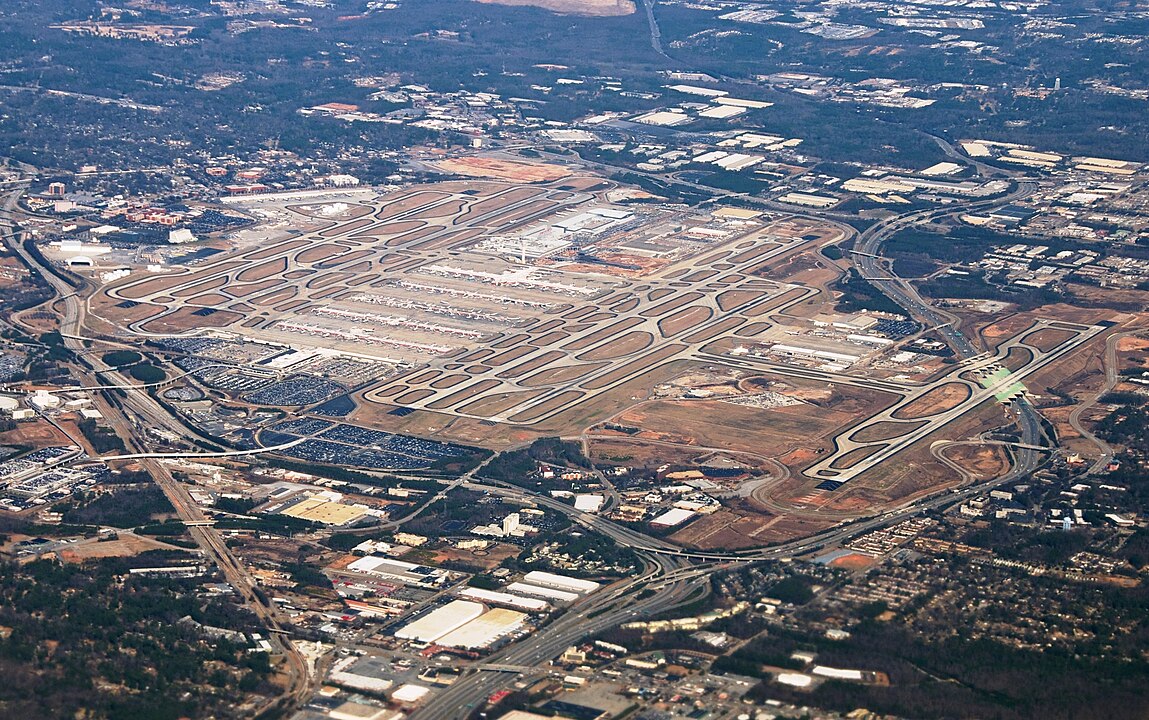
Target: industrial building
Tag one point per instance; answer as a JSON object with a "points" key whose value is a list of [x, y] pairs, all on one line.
{"points": [[543, 592], [673, 517], [404, 572], [441, 621], [814, 354], [321, 510], [491, 597], [484, 630], [561, 582]]}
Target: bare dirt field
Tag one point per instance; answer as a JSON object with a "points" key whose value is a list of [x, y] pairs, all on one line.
{"points": [[771, 432], [624, 450], [1004, 329], [126, 545], [939, 399], [983, 461], [503, 169], [1048, 339], [1132, 344], [734, 530], [1132, 300], [37, 433], [852, 562], [488, 559], [185, 318]]}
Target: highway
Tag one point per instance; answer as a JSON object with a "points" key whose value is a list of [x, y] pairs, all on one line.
{"points": [[869, 262], [601, 611], [655, 32], [671, 575], [677, 581], [300, 683]]}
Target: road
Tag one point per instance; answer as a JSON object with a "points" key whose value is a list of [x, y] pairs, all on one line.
{"points": [[667, 582], [1111, 380], [300, 684], [871, 264], [678, 581], [605, 609]]}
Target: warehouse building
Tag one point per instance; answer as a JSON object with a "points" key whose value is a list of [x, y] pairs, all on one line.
{"points": [[404, 572], [441, 621], [543, 592], [484, 630], [491, 597], [561, 582]]}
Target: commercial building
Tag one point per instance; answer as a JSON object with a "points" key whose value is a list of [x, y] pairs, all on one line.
{"points": [[409, 694], [589, 503], [837, 673], [814, 354], [561, 582], [44, 400], [404, 572], [543, 592], [672, 517], [441, 621], [484, 630], [491, 597], [317, 509], [809, 200]]}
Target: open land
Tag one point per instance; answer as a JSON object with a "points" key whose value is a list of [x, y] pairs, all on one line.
{"points": [[482, 296]]}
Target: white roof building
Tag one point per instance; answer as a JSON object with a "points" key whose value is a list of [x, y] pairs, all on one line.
{"points": [[492, 597], [672, 517], [484, 630], [441, 621], [561, 582], [543, 592]]}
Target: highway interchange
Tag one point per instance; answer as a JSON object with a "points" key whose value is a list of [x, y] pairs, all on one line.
{"points": [[671, 576]]}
